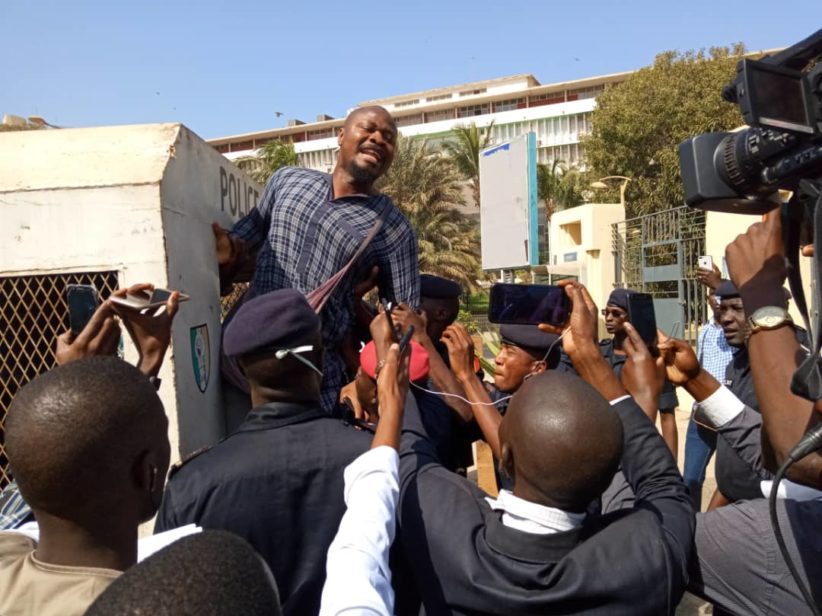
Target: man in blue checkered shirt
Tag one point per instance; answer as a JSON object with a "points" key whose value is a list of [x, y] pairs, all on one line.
{"points": [[308, 224]]}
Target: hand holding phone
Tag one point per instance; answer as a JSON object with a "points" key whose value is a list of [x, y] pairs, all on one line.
{"points": [[149, 330], [83, 300], [100, 336], [642, 316], [705, 262], [143, 297]]}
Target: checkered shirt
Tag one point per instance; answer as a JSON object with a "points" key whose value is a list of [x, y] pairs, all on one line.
{"points": [[713, 351], [14, 511], [305, 236]]}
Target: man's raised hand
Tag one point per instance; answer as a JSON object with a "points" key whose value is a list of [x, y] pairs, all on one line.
{"points": [[149, 330], [643, 375], [100, 336], [460, 350]]}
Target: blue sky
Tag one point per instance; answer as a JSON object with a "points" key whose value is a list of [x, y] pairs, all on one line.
{"points": [[225, 67]]}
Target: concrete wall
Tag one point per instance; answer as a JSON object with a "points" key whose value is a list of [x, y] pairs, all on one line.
{"points": [[721, 229], [138, 200]]}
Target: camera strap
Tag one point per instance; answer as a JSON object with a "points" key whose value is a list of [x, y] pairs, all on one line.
{"points": [[807, 379]]}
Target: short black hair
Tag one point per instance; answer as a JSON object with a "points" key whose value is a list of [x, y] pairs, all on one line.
{"points": [[73, 434], [213, 572]]}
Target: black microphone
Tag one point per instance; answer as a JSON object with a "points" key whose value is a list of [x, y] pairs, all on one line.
{"points": [[812, 441]]}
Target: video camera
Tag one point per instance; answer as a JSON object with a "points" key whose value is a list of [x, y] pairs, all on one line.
{"points": [[780, 97]]}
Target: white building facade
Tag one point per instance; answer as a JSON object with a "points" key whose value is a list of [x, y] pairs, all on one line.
{"points": [[559, 114]]}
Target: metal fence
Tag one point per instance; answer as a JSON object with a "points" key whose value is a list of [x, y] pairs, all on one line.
{"points": [[657, 254], [33, 311]]}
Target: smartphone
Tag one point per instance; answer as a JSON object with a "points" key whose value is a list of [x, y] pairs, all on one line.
{"points": [[642, 316], [528, 304], [706, 262], [145, 299], [388, 306], [406, 339], [83, 300]]}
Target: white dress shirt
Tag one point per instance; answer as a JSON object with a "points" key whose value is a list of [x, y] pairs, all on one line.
{"points": [[721, 407], [532, 518], [358, 577]]}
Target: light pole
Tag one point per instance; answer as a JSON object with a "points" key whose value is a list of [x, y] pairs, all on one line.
{"points": [[600, 185]]}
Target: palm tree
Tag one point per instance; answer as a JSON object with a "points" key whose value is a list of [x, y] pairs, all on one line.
{"points": [[269, 158], [464, 149], [558, 186], [426, 187]]}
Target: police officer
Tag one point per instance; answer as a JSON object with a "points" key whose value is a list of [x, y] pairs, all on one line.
{"points": [[525, 350], [278, 480]]}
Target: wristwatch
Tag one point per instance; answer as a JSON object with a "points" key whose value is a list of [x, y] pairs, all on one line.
{"points": [[768, 317]]}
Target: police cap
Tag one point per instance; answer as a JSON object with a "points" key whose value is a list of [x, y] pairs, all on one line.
{"points": [[533, 340], [437, 287], [277, 320]]}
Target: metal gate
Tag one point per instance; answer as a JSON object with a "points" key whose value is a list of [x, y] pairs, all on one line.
{"points": [[657, 254], [33, 312]]}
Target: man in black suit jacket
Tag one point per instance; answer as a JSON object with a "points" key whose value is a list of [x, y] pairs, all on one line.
{"points": [[535, 550], [278, 480]]}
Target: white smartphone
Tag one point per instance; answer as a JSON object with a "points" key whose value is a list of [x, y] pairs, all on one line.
{"points": [[146, 300], [706, 262]]}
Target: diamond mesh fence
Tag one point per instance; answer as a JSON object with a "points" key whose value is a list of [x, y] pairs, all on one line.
{"points": [[33, 312]]}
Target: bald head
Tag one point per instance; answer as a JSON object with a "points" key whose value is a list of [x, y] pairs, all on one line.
{"points": [[561, 441], [369, 110], [213, 572], [77, 435]]}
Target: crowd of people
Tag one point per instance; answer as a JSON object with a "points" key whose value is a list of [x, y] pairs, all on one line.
{"points": [[344, 490]]}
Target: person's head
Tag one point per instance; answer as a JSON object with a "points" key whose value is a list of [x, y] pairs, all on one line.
{"points": [[440, 299], [522, 353], [88, 444], [732, 315], [616, 311], [561, 441], [212, 572], [276, 339], [366, 141], [713, 304]]}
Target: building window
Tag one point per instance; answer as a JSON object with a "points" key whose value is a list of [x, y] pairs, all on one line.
{"points": [[511, 103], [325, 133], [407, 103], [408, 120], [582, 93], [472, 92], [436, 116], [551, 98], [473, 110], [242, 146], [439, 97]]}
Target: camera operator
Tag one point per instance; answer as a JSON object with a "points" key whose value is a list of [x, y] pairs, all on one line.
{"points": [[738, 565]]}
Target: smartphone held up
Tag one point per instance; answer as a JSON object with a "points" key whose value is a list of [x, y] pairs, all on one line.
{"points": [[146, 300], [642, 316], [83, 300], [528, 304]]}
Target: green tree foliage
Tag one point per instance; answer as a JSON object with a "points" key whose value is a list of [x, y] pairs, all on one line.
{"points": [[559, 186], [639, 123], [269, 158], [427, 187], [463, 147]]}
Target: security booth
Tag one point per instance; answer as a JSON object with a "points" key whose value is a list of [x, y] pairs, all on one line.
{"points": [[111, 207]]}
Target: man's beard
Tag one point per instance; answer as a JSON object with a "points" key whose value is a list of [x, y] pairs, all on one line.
{"points": [[362, 175]]}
